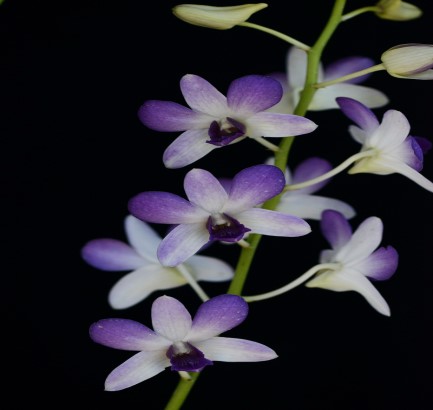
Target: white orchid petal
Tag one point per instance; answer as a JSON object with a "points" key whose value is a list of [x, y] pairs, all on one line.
{"points": [[139, 284]]}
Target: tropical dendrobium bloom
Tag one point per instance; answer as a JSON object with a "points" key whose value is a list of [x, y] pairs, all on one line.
{"points": [[220, 18], [213, 214], [411, 61], [358, 256], [177, 340], [146, 272], [397, 10], [214, 120], [324, 98], [388, 147], [302, 202]]}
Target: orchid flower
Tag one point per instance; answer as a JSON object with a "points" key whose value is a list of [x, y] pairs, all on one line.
{"points": [[147, 274], [358, 257], [324, 98], [387, 146], [178, 341], [213, 214], [302, 202], [214, 121]]}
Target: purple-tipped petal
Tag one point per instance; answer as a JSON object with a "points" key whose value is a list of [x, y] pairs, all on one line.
{"points": [[273, 223], [209, 269], [217, 315], [139, 284], [253, 93], [111, 255], [335, 228], [164, 207], [187, 148], [348, 65], [182, 243], [358, 113], [277, 125], [137, 369], [202, 96], [253, 186], [204, 190], [169, 116], [170, 318], [125, 334], [142, 238], [381, 264], [309, 169], [227, 349]]}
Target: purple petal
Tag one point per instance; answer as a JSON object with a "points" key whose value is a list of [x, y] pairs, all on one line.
{"points": [[227, 349], [348, 65], [358, 113], [253, 93], [335, 228], [170, 318], [181, 243], [164, 207], [111, 255], [253, 186], [381, 264], [202, 96], [204, 190], [217, 315], [139, 284], [424, 144], [273, 223], [138, 368], [277, 125], [125, 334], [187, 148], [309, 169], [189, 359], [170, 116]]}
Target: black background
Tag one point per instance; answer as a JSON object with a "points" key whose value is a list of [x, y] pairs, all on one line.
{"points": [[73, 77]]}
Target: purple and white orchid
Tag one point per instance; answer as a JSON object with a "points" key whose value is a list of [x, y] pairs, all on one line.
{"points": [[147, 274], [214, 121], [324, 98], [177, 340], [213, 214], [357, 257], [388, 147], [303, 202]]}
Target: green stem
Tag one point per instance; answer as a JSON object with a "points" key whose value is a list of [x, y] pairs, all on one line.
{"points": [[281, 157], [356, 74], [362, 10], [277, 34], [181, 392]]}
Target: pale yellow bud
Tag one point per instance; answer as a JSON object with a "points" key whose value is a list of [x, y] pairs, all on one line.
{"points": [[413, 61], [397, 10], [220, 18]]}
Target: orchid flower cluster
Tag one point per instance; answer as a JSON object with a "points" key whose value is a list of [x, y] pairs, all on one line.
{"points": [[266, 199]]}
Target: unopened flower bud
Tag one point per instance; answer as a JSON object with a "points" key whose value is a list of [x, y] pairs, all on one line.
{"points": [[220, 18], [413, 61], [397, 10]]}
